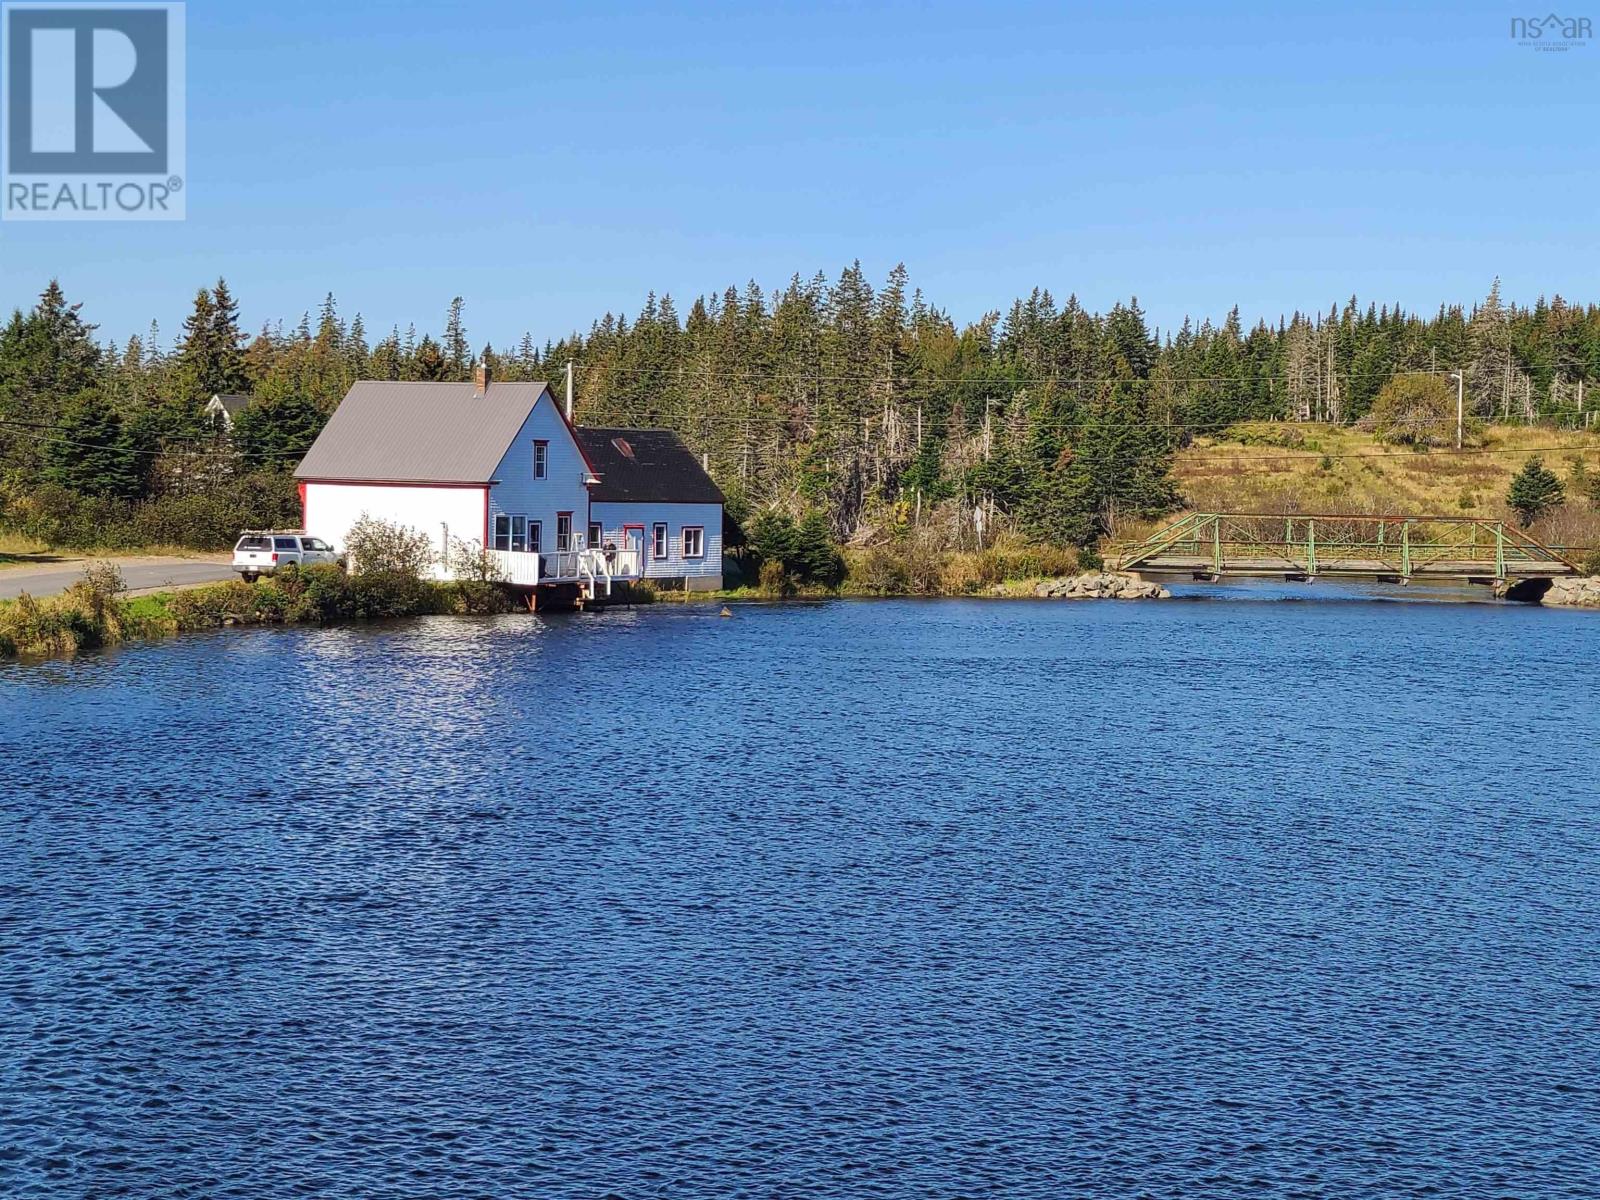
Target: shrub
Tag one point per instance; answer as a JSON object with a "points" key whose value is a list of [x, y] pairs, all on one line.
{"points": [[376, 594], [1415, 409], [208, 520], [327, 592], [806, 551], [879, 571], [383, 547], [480, 598], [202, 608], [88, 614], [470, 561], [775, 579], [1282, 436]]}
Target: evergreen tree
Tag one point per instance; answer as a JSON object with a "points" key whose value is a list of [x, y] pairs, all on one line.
{"points": [[1535, 490], [457, 353], [210, 356], [88, 451], [275, 431]]}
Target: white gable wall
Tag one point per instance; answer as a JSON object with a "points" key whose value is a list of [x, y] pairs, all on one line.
{"points": [[435, 511]]}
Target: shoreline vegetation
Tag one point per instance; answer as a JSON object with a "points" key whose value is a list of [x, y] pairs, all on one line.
{"points": [[95, 612]]}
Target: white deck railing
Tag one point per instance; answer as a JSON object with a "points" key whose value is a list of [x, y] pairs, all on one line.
{"points": [[524, 568]]}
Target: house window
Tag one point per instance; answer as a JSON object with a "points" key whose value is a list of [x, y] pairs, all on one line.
{"points": [[533, 537], [519, 532], [596, 535], [502, 532], [541, 459], [658, 540], [563, 532], [694, 541]]}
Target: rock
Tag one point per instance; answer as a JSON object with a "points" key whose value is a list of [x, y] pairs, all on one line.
{"points": [[1100, 585], [1573, 592]]}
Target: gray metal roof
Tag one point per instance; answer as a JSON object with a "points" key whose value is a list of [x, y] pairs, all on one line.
{"points": [[419, 432]]}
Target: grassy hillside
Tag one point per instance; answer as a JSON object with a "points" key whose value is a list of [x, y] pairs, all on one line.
{"points": [[1270, 467]]}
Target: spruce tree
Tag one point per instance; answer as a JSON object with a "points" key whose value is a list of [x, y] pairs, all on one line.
{"points": [[1534, 491], [88, 451], [457, 353]]}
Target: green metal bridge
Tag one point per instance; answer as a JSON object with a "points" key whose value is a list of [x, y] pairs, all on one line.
{"points": [[1308, 545]]}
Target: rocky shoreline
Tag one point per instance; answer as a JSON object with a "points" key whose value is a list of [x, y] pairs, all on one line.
{"points": [[1575, 592], [1091, 585]]}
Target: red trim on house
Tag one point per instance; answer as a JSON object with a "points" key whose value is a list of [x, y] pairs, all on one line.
{"points": [[485, 518], [572, 430], [568, 515], [305, 508], [666, 542], [683, 539]]}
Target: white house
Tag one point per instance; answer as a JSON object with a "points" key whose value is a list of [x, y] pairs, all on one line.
{"points": [[653, 497], [500, 466], [222, 408]]}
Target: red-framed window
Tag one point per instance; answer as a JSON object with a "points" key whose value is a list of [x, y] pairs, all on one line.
{"points": [[563, 532], [694, 541], [658, 540]]}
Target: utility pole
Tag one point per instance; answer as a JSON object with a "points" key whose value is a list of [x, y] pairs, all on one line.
{"points": [[1460, 407], [569, 391]]}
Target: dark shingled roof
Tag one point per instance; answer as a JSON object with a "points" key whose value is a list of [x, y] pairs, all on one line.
{"points": [[650, 465], [419, 432]]}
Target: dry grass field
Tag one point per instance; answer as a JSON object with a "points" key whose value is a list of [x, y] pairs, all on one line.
{"points": [[1280, 468]]}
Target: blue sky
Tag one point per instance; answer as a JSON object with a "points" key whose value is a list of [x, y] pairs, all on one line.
{"points": [[551, 161]]}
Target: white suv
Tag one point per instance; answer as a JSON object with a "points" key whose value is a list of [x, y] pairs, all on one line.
{"points": [[263, 553]]}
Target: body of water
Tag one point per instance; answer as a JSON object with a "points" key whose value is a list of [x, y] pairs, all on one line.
{"points": [[1213, 898]]}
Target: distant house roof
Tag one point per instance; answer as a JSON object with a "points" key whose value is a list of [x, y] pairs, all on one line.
{"points": [[419, 432], [650, 465], [231, 403]]}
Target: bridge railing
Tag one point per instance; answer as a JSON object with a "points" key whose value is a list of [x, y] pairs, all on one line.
{"points": [[1309, 543]]}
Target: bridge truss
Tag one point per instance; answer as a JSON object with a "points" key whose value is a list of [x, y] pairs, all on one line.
{"points": [[1306, 545]]}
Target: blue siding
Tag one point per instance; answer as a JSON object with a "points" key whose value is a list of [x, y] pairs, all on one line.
{"points": [[613, 516], [561, 490]]}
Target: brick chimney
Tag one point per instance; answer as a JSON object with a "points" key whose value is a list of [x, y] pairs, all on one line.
{"points": [[480, 378]]}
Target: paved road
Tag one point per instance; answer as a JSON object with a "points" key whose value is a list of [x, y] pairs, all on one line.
{"points": [[46, 579]]}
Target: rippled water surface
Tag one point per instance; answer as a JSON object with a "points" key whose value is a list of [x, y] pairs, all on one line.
{"points": [[1191, 899]]}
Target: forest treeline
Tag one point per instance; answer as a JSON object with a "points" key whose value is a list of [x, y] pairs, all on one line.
{"points": [[869, 406]]}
